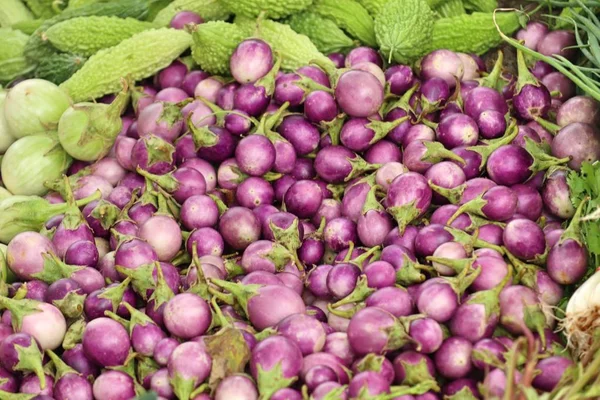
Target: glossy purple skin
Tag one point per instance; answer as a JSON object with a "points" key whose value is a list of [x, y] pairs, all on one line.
{"points": [[261, 278], [567, 262], [318, 375], [30, 384], [342, 279], [380, 274], [427, 334], [124, 227], [251, 60], [367, 330], [460, 384], [491, 124], [458, 130], [501, 203], [255, 155], [152, 120], [120, 196], [337, 343], [303, 198], [438, 301], [190, 361], [303, 169], [24, 254], [60, 288], [509, 165], [9, 357], [183, 18], [255, 257], [355, 134], [300, 133], [73, 386], [329, 209], [163, 350], [383, 152], [578, 109], [410, 359], [472, 162], [286, 90], [394, 300], [532, 34], [95, 306], [513, 302], [133, 253], [552, 369], [239, 227], [282, 220], [36, 290], [305, 331], [482, 99], [471, 322], [490, 346], [254, 192], [222, 150], [373, 227], [429, 238], [114, 385], [442, 215], [529, 201], [321, 392], [339, 232], [368, 383], [359, 93], [558, 42], [579, 141], [408, 188], [144, 338], [493, 271], [524, 239], [354, 200], [447, 175], [406, 239], [400, 78], [140, 157], [316, 280], [173, 75], [83, 252], [106, 342], [418, 132], [191, 80], [453, 359], [251, 99], [495, 382], [187, 315], [77, 360], [171, 95], [276, 351], [435, 91], [443, 64], [285, 157], [338, 59], [362, 54], [237, 124], [9, 381], [199, 211], [531, 102], [208, 241], [397, 134], [314, 73], [556, 195], [320, 106], [557, 82], [286, 301], [65, 237]]}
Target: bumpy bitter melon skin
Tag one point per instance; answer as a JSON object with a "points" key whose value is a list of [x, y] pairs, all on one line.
{"points": [[271, 8], [138, 57], [59, 67], [323, 32], [214, 43], [12, 61], [38, 48], [350, 16], [295, 50], [87, 35], [209, 10], [472, 33], [375, 6], [404, 29]]}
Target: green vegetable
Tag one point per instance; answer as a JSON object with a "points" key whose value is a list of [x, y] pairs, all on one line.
{"points": [[38, 48], [6, 139], [82, 3], [450, 8], [481, 5], [31, 161], [404, 29], [350, 16], [42, 8], [87, 35], [271, 8], [323, 32], [295, 50], [29, 26], [214, 43], [137, 58], [13, 11], [209, 10], [375, 6], [472, 33], [12, 60], [87, 131], [57, 68]]}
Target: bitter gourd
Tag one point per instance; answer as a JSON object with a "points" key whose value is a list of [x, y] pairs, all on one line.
{"points": [[450, 8], [59, 67], [472, 33], [269, 8], [214, 43], [38, 48], [88, 35], [294, 49], [323, 32], [350, 16], [42, 8], [481, 5], [13, 11], [29, 26], [375, 6], [404, 29], [138, 57], [12, 61], [209, 10]]}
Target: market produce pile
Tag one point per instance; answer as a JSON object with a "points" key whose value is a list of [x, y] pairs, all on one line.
{"points": [[260, 199]]}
